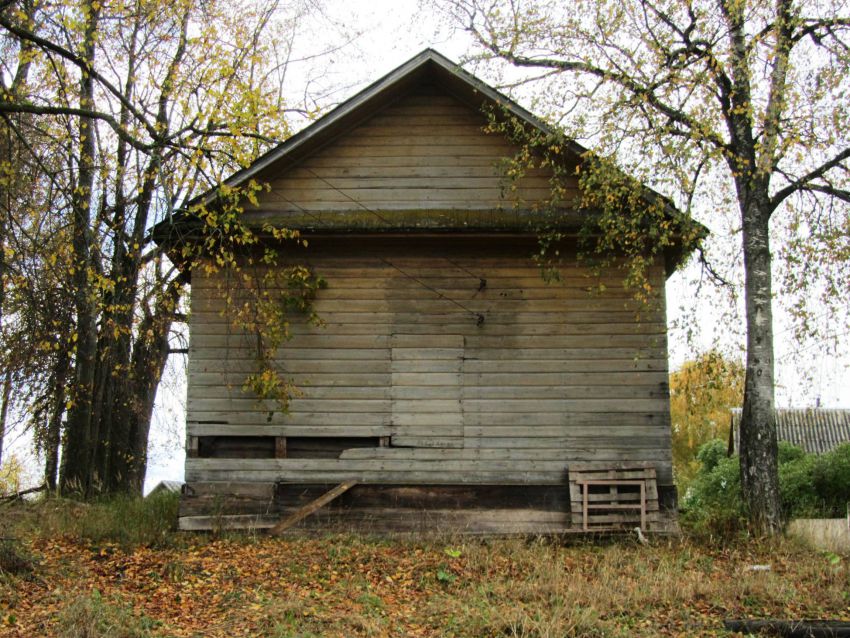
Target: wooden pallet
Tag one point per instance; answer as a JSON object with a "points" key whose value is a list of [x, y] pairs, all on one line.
{"points": [[609, 497]]}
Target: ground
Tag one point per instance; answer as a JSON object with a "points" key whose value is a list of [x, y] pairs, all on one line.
{"points": [[67, 584]]}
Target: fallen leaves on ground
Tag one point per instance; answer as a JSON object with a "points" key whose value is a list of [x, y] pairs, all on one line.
{"points": [[353, 586]]}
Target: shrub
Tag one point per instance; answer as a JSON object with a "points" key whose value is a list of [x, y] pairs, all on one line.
{"points": [[713, 503], [711, 454], [796, 484], [831, 477], [810, 486], [789, 452]]}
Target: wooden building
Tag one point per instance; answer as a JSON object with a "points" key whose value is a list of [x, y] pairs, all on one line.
{"points": [[454, 385]]}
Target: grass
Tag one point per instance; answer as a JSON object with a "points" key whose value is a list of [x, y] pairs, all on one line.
{"points": [[120, 520], [88, 576], [90, 616], [14, 561], [624, 590]]}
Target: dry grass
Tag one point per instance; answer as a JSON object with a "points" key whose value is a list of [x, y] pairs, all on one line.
{"points": [[89, 616], [667, 588], [348, 585]]}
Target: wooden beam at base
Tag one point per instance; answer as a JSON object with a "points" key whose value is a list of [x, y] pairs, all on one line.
{"points": [[308, 509]]}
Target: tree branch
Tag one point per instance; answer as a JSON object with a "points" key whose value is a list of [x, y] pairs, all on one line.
{"points": [[19, 107], [831, 191], [18, 495], [739, 114], [812, 27], [84, 66], [805, 182], [775, 108], [622, 79], [707, 267]]}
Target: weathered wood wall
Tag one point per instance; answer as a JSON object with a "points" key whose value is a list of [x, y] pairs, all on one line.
{"points": [[449, 378], [456, 349], [424, 161]]}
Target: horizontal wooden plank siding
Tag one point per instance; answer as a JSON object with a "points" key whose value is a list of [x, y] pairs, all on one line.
{"points": [[427, 151], [478, 370], [447, 381]]}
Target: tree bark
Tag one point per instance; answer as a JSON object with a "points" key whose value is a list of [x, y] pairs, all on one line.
{"points": [[758, 448], [115, 342], [150, 355], [77, 466], [7, 383], [53, 436], [759, 466], [4, 410]]}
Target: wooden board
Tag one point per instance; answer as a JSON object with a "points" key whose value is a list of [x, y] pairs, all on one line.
{"points": [[397, 520], [554, 375], [440, 509]]}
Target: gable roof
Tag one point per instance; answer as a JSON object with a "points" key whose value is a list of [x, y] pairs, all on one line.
{"points": [[446, 74], [816, 430], [429, 66]]}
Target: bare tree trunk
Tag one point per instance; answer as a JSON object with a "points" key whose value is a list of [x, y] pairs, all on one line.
{"points": [[115, 342], [118, 383], [6, 195], [53, 436], [759, 466], [4, 409], [150, 355], [99, 433], [8, 381], [77, 466]]}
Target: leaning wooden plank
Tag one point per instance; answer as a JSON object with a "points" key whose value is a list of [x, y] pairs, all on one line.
{"points": [[308, 509]]}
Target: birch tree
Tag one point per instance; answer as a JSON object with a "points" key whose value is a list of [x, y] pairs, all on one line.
{"points": [[745, 97]]}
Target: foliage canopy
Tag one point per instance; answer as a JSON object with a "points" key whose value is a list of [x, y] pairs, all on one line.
{"points": [[702, 393], [113, 115]]}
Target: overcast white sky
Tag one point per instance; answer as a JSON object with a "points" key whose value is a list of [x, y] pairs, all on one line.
{"points": [[389, 33]]}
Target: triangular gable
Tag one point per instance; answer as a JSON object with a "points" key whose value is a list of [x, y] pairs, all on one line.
{"points": [[355, 170], [429, 67], [424, 161]]}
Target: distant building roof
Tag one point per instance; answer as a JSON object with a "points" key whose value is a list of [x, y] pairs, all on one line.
{"points": [[815, 430], [167, 486]]}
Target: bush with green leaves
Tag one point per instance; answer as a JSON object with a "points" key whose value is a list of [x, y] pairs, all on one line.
{"points": [[797, 490], [711, 454], [788, 452], [831, 477], [810, 486], [713, 502]]}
